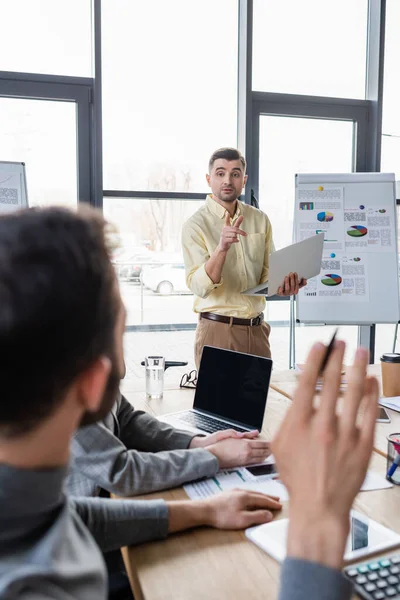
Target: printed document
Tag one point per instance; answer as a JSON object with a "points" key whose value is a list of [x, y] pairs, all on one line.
{"points": [[320, 210], [343, 278], [393, 403], [10, 192], [240, 478]]}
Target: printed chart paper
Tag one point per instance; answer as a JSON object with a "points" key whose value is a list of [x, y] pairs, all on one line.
{"points": [[351, 233], [321, 211], [238, 478], [358, 282], [10, 192], [343, 277], [369, 229]]}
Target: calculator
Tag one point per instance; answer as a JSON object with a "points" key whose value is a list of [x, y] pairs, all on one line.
{"points": [[376, 580]]}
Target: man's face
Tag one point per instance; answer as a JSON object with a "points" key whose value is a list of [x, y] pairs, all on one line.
{"points": [[226, 179], [116, 374]]}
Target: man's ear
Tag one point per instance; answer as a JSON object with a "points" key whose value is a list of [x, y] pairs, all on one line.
{"points": [[92, 384], [208, 179], [245, 180]]}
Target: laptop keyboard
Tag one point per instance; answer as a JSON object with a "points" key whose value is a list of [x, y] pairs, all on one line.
{"points": [[207, 423]]}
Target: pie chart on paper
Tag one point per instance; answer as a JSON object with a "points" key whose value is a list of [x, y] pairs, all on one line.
{"points": [[325, 217], [331, 279], [357, 231]]}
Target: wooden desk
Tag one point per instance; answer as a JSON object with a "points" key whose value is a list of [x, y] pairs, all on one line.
{"points": [[285, 383], [217, 565]]}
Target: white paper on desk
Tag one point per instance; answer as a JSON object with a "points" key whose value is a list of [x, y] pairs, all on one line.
{"points": [[271, 487], [222, 481], [392, 402], [374, 481], [238, 478]]}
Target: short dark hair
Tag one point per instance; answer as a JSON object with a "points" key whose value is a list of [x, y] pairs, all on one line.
{"points": [[58, 308], [227, 154]]}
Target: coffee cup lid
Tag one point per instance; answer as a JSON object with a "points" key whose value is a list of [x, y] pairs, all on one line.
{"points": [[391, 357]]}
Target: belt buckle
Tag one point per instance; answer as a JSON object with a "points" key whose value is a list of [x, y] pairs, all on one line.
{"points": [[251, 321]]}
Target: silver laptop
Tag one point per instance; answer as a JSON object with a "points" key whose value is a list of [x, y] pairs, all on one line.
{"points": [[303, 258], [231, 393]]}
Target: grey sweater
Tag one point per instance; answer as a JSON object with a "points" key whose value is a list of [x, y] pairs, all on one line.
{"points": [[303, 580], [46, 551], [131, 453]]}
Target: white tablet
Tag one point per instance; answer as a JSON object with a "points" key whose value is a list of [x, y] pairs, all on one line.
{"points": [[366, 537], [303, 258]]}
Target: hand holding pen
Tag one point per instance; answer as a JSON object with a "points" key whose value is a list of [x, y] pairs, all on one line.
{"points": [[328, 352]]}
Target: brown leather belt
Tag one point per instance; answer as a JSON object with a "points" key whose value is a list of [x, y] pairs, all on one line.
{"points": [[235, 320]]}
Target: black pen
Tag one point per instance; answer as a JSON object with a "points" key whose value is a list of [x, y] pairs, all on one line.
{"points": [[328, 352]]}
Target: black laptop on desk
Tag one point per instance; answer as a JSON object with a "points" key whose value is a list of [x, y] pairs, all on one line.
{"points": [[231, 393]]}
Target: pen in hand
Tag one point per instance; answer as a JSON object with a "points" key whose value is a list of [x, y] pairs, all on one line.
{"points": [[328, 352]]}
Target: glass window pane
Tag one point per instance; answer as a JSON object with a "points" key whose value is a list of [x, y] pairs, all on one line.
{"points": [[290, 145], [42, 134], [172, 100], [46, 36], [310, 47], [149, 262], [306, 336], [174, 345], [384, 338], [390, 162]]}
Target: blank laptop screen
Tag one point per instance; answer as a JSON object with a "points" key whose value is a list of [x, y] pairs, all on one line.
{"points": [[233, 385]]}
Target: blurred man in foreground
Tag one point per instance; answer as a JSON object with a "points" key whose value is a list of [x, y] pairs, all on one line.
{"points": [[61, 328], [61, 360]]}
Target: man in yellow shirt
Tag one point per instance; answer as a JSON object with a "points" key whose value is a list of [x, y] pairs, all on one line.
{"points": [[226, 248]]}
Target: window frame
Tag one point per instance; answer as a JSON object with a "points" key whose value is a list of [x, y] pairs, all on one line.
{"points": [[62, 89]]}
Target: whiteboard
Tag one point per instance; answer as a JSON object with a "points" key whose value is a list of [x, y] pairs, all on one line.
{"points": [[359, 279], [13, 190]]}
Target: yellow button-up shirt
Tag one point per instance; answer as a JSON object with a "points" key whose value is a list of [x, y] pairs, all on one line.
{"points": [[246, 263]]}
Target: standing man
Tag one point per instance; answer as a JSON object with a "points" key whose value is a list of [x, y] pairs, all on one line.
{"points": [[226, 248]]}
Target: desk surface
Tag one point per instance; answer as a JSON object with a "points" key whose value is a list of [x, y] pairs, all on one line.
{"points": [[285, 383], [206, 563]]}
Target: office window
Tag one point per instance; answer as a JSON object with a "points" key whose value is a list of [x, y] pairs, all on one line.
{"points": [[290, 145], [42, 134], [149, 261], [169, 91], [310, 47], [390, 160], [46, 36]]}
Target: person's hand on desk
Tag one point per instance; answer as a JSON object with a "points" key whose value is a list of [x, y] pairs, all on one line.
{"points": [[237, 509], [218, 436], [322, 456], [234, 452], [291, 285]]}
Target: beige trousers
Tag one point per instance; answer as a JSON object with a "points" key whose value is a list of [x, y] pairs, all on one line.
{"points": [[242, 338]]}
